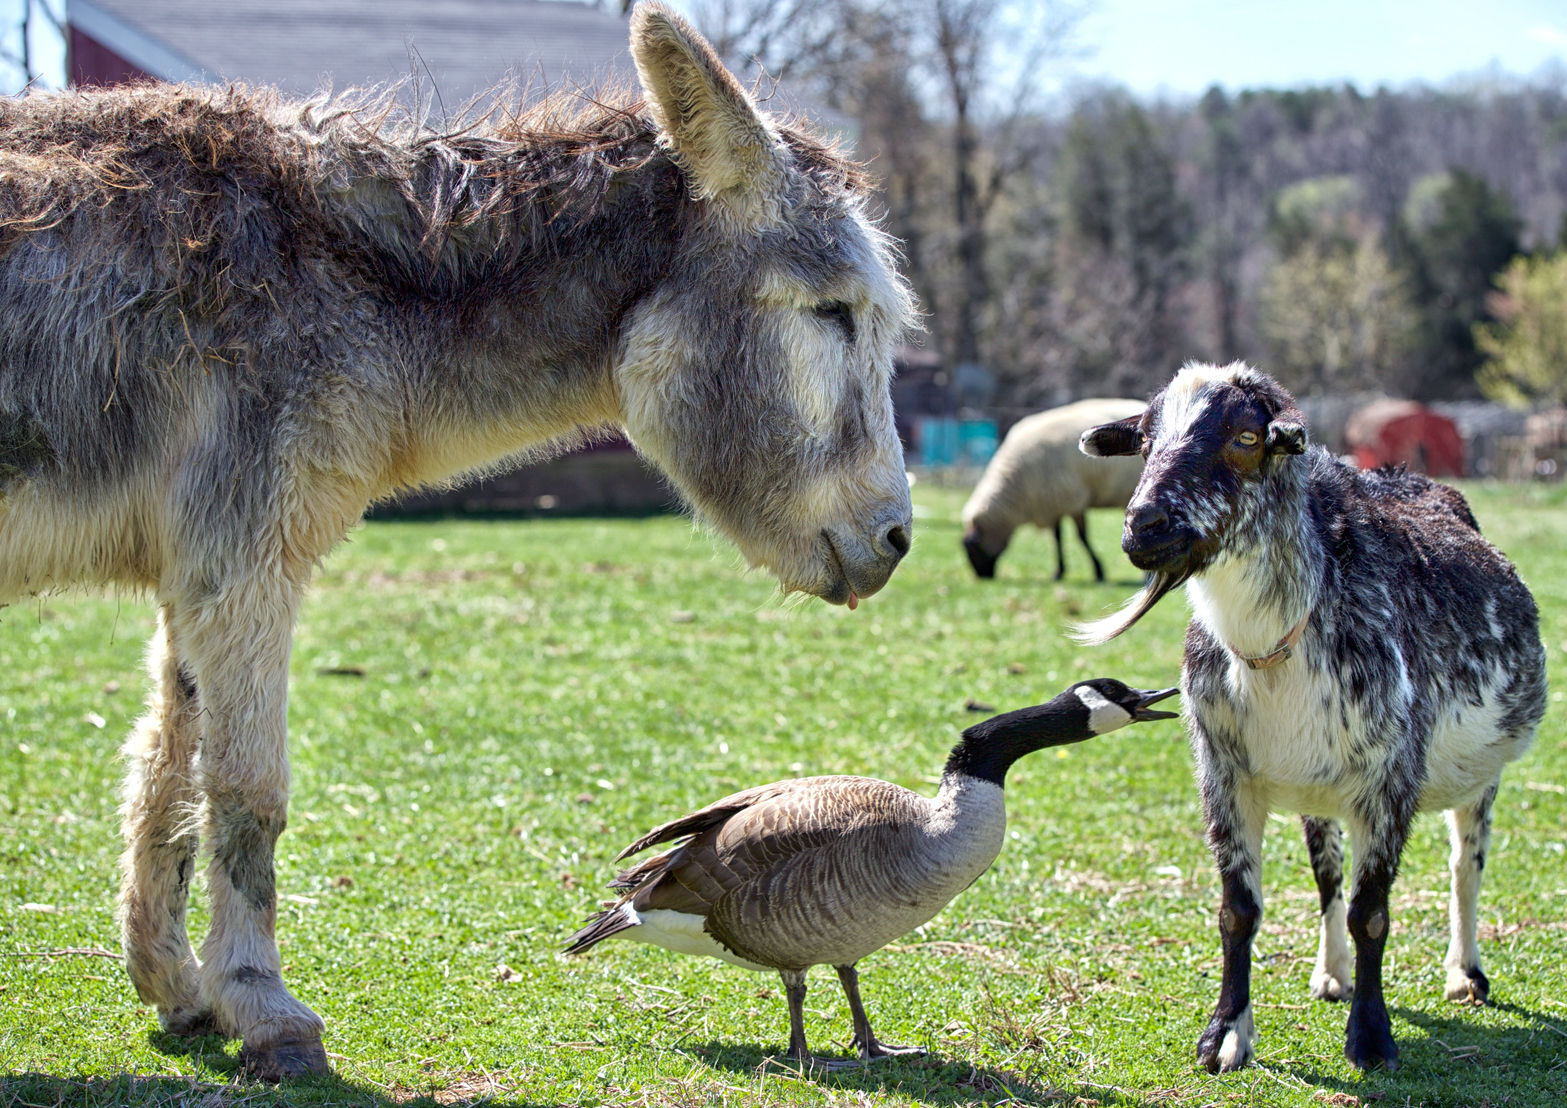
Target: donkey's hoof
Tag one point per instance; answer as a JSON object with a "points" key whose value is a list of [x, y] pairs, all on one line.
{"points": [[282, 1060], [191, 1022]]}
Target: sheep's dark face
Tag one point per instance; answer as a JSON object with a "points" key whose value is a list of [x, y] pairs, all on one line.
{"points": [[982, 559], [1211, 442]]}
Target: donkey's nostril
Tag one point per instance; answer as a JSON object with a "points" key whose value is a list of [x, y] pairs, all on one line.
{"points": [[897, 538], [1149, 518]]}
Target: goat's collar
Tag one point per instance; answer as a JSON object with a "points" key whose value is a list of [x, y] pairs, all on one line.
{"points": [[1280, 653]]}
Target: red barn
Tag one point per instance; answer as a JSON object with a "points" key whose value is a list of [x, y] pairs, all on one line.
{"points": [[1390, 431]]}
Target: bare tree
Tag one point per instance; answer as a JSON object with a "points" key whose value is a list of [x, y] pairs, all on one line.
{"points": [[944, 92], [21, 62]]}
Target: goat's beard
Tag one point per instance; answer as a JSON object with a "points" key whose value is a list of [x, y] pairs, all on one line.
{"points": [[1160, 581]]}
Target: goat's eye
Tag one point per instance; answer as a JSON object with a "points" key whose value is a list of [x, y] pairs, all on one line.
{"points": [[839, 315], [1247, 438]]}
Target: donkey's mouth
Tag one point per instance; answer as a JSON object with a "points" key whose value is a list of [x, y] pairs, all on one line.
{"points": [[849, 579]]}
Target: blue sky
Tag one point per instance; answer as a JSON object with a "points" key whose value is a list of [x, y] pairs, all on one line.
{"points": [[1182, 48]]}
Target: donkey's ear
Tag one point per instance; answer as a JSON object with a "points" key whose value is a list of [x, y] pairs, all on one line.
{"points": [[707, 121], [1286, 436], [1111, 440]]}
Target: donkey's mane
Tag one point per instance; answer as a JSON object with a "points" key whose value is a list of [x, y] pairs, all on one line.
{"points": [[505, 176]]}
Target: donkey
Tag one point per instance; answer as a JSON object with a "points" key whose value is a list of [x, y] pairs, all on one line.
{"points": [[1357, 652], [232, 322]]}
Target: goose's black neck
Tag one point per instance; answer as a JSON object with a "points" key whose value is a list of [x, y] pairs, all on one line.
{"points": [[988, 749]]}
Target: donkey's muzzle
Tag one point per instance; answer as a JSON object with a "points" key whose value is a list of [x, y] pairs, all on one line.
{"points": [[861, 562]]}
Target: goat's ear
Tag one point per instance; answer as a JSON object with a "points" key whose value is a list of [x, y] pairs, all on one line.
{"points": [[1286, 436], [1111, 440], [705, 119]]}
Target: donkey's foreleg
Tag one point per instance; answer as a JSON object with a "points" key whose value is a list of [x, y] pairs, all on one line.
{"points": [[1333, 976], [160, 828], [1469, 829], [1379, 840], [1235, 821], [237, 640]]}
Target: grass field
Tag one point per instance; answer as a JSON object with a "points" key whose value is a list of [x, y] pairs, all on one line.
{"points": [[483, 713]]}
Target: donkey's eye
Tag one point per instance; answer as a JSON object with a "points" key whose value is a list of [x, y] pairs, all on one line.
{"points": [[1247, 438], [839, 315]]}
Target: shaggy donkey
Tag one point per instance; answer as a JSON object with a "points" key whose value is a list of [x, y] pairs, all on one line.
{"points": [[230, 323], [1357, 652]]}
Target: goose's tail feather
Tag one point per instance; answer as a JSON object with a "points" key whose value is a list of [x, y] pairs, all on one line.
{"points": [[612, 920]]}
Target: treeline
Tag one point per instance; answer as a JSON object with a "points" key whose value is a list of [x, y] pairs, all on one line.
{"points": [[1342, 240]]}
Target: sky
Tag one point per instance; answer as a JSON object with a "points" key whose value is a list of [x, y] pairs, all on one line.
{"points": [[1182, 48]]}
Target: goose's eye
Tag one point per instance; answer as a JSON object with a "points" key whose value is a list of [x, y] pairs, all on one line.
{"points": [[837, 313], [1247, 438]]}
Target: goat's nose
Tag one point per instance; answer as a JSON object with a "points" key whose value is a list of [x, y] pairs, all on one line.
{"points": [[1146, 519], [896, 539]]}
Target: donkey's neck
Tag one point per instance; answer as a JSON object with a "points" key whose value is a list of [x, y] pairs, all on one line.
{"points": [[1270, 576], [512, 266]]}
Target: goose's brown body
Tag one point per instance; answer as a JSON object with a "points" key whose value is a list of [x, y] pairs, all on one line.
{"points": [[784, 874]]}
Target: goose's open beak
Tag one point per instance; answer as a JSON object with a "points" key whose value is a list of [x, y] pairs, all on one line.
{"points": [[1153, 696]]}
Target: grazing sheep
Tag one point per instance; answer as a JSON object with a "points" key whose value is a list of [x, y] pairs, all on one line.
{"points": [[825, 870], [1039, 476], [1357, 652]]}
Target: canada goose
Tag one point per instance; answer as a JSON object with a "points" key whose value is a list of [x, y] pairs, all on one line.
{"points": [[825, 870]]}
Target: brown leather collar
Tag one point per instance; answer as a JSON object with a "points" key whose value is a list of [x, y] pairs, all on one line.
{"points": [[1280, 653]]}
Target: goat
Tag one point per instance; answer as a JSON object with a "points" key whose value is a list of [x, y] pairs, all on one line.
{"points": [[231, 322], [1357, 652], [1039, 476]]}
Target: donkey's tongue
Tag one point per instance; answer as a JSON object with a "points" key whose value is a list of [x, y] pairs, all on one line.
{"points": [[854, 601]]}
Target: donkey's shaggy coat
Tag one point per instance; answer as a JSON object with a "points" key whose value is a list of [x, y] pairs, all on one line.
{"points": [[1357, 652], [230, 323]]}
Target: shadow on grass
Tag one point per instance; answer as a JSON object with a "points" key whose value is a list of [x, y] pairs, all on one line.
{"points": [[222, 1084], [1525, 1062], [928, 1078], [329, 1091]]}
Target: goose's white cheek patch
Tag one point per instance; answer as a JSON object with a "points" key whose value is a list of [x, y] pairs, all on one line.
{"points": [[1103, 715]]}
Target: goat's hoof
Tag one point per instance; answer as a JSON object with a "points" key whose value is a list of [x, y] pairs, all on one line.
{"points": [[1227, 1044], [1328, 986], [1468, 986], [282, 1060], [1368, 1045]]}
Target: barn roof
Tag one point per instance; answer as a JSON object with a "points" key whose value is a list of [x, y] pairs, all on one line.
{"points": [[458, 48]]}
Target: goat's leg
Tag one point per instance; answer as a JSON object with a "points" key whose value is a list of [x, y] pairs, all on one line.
{"points": [[159, 824], [1081, 519], [1469, 829], [236, 638], [1368, 1040], [1236, 815], [1333, 976]]}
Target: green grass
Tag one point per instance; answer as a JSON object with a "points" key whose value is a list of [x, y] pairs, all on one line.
{"points": [[483, 713]]}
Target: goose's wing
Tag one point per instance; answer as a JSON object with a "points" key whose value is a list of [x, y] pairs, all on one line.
{"points": [[704, 818], [761, 844]]}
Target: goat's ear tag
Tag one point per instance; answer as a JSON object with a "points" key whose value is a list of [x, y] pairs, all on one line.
{"points": [[1286, 437], [1113, 440]]}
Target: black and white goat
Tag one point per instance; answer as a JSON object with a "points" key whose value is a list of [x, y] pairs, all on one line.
{"points": [[1357, 653]]}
